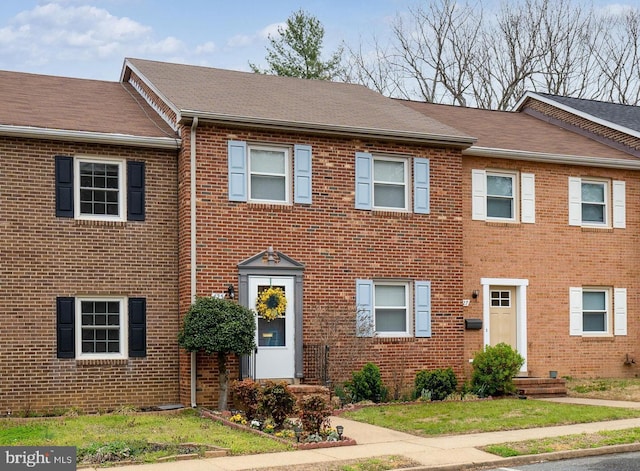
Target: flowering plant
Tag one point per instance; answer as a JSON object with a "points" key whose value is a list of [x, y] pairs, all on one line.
{"points": [[271, 303]]}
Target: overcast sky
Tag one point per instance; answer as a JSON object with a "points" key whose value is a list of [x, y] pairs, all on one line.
{"points": [[90, 39]]}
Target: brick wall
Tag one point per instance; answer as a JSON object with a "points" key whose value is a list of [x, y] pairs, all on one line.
{"points": [[554, 256], [614, 137], [337, 244], [43, 257]]}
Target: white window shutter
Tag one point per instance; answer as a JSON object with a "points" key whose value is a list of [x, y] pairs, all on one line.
{"points": [[528, 198], [619, 203], [575, 311], [478, 195], [620, 311], [575, 201]]}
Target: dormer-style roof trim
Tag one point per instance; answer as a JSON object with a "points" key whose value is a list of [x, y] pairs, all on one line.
{"points": [[550, 101], [622, 164], [91, 137]]}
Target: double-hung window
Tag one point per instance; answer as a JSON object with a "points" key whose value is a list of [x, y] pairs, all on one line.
{"points": [[269, 174], [385, 183], [101, 327], [385, 308], [97, 188], [265, 173], [390, 184], [502, 196], [99, 193], [597, 203], [501, 202], [598, 311], [101, 331]]}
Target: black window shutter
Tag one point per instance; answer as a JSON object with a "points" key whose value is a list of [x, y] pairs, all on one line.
{"points": [[135, 191], [65, 324], [64, 186], [137, 327]]}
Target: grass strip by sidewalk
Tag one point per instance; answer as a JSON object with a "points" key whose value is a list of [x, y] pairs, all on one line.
{"points": [[449, 417], [563, 443]]}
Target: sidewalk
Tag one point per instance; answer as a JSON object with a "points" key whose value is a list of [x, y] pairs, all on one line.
{"points": [[440, 453]]}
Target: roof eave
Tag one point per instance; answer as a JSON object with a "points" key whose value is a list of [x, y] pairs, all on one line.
{"points": [[581, 114], [92, 137], [553, 158], [405, 136]]}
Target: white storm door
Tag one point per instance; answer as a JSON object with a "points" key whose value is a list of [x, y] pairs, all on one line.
{"points": [[275, 339]]}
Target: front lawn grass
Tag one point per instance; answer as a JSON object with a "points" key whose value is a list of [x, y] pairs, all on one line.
{"points": [[448, 417], [124, 435]]}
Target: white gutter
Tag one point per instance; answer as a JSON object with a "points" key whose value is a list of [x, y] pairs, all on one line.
{"points": [[192, 164], [553, 158], [574, 111], [87, 136], [412, 136]]}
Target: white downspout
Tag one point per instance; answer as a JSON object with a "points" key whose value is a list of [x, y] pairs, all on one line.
{"points": [[194, 125]]}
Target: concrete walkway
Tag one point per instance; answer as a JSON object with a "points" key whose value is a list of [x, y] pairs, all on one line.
{"points": [[440, 453]]}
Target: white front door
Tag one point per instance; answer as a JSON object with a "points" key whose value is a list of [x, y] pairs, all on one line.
{"points": [[275, 338]]}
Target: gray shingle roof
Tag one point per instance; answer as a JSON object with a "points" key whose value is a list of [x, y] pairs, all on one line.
{"points": [[622, 115], [71, 104], [284, 101], [516, 131]]}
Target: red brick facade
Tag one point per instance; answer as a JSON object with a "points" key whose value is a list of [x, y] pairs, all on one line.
{"points": [[45, 257], [337, 244], [554, 256]]}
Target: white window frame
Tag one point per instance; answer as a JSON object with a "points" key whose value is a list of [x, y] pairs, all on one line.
{"points": [[614, 203], [523, 198], [616, 304], [514, 200], [122, 189], [407, 307], [607, 312], [123, 329], [374, 182], [287, 172], [606, 204]]}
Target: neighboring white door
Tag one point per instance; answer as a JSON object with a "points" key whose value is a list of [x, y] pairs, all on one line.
{"points": [[275, 339]]}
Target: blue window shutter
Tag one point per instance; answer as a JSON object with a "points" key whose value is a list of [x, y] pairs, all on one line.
{"points": [[302, 174], [423, 308], [421, 186], [135, 191], [64, 186], [65, 327], [364, 180], [364, 308], [137, 327], [237, 170]]}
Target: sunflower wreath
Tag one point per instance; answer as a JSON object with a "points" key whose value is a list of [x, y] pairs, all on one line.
{"points": [[271, 303]]}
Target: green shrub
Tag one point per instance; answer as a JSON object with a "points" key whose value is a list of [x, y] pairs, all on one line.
{"points": [[440, 383], [247, 392], [314, 414], [277, 402], [494, 369], [366, 385]]}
